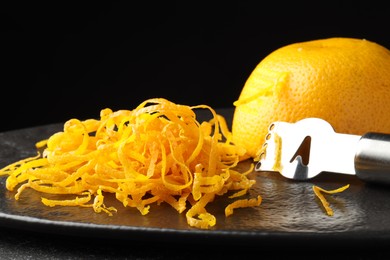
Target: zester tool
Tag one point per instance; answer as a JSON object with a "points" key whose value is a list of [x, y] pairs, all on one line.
{"points": [[306, 148]]}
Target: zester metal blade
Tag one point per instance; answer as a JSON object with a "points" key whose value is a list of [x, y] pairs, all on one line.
{"points": [[304, 149]]}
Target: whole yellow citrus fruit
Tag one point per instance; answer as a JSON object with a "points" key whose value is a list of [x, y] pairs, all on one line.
{"points": [[345, 81]]}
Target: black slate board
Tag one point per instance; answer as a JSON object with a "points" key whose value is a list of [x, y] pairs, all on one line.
{"points": [[289, 213]]}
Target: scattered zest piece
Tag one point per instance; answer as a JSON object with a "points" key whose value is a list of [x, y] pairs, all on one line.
{"points": [[156, 153], [243, 203], [317, 191]]}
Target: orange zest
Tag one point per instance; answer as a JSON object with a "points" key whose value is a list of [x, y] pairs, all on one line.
{"points": [[318, 192], [156, 153]]}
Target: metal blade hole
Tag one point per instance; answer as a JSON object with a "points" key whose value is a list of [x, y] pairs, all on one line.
{"points": [[303, 151]]}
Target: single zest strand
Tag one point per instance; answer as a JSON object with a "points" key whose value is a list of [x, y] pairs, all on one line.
{"points": [[242, 203], [41, 144], [224, 127], [197, 216], [317, 191], [74, 202], [99, 206]]}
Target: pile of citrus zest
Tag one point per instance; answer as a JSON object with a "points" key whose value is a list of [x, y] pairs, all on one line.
{"points": [[156, 153], [317, 191]]}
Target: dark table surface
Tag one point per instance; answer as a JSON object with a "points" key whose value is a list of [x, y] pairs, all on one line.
{"points": [[19, 244], [360, 228]]}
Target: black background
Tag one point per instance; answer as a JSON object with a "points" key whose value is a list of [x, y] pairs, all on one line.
{"points": [[62, 61]]}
